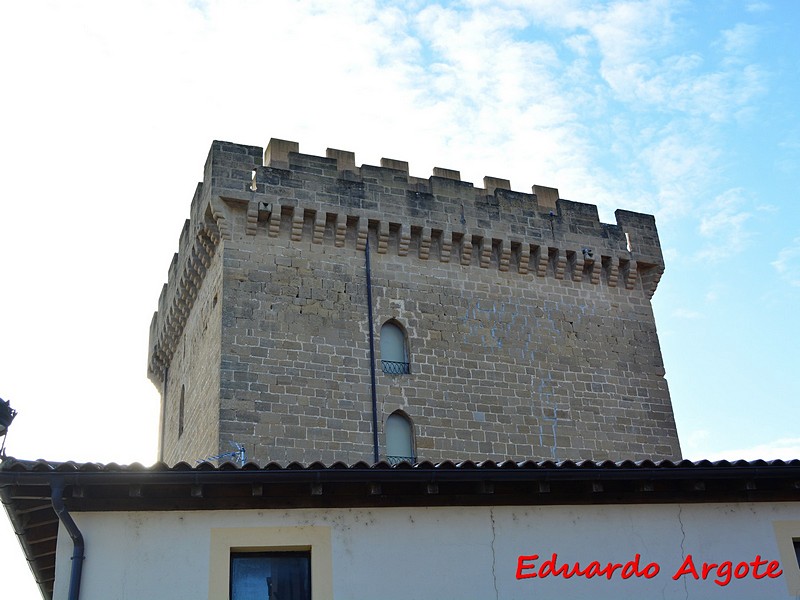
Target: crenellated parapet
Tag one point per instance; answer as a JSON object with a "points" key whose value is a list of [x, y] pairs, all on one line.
{"points": [[441, 217], [199, 240]]}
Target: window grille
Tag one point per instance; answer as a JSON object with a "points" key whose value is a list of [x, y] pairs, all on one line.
{"points": [[393, 367], [393, 460]]}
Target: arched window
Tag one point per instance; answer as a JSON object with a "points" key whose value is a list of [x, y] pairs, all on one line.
{"points": [[180, 410], [399, 439], [394, 353]]}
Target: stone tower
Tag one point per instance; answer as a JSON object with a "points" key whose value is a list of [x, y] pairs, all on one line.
{"points": [[504, 324]]}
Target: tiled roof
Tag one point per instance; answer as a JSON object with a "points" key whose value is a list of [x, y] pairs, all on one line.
{"points": [[40, 465], [25, 488]]}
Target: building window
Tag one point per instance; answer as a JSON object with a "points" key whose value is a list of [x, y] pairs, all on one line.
{"points": [[394, 350], [796, 544], [180, 410], [399, 439], [270, 576], [311, 542], [787, 536]]}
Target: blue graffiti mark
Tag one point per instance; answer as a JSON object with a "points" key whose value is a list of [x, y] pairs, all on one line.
{"points": [[546, 402]]}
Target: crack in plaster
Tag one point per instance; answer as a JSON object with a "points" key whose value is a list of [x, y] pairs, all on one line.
{"points": [[683, 549], [494, 561]]}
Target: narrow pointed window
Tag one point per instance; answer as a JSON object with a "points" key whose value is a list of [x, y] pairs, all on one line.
{"points": [[180, 411], [394, 350], [399, 439]]}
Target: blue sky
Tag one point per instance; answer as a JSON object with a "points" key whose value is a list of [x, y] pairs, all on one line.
{"points": [[686, 110]]}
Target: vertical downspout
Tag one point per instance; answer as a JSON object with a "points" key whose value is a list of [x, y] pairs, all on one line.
{"points": [[163, 422], [376, 454], [57, 499]]}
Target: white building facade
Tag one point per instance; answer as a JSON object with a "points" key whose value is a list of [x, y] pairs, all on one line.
{"points": [[468, 531]]}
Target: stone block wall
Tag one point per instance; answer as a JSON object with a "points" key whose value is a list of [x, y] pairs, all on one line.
{"points": [[529, 325], [190, 407]]}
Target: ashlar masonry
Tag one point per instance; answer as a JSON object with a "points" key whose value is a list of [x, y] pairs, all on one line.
{"points": [[507, 325]]}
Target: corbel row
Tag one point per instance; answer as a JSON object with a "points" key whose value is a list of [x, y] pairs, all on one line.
{"points": [[574, 264], [195, 268]]}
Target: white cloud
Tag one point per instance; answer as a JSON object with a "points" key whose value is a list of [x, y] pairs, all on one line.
{"points": [[694, 439], [724, 217], [723, 226], [783, 449], [685, 313], [788, 263], [641, 60], [756, 7], [679, 168], [740, 39], [580, 44]]}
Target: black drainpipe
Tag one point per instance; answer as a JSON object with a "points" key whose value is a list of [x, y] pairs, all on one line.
{"points": [[163, 428], [375, 452], [57, 497]]}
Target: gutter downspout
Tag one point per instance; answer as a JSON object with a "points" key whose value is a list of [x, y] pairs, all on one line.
{"points": [[162, 423], [376, 454], [57, 499]]}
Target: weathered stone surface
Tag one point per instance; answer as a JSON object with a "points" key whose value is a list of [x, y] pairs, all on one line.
{"points": [[521, 343]]}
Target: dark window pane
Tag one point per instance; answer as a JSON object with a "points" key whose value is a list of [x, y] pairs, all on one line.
{"points": [[271, 576]]}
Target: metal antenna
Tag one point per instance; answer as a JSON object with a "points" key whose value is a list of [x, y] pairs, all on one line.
{"points": [[239, 455], [7, 415]]}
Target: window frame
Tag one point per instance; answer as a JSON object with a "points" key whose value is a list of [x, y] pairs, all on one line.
{"points": [[787, 533], [394, 367], [237, 555], [228, 541], [394, 458]]}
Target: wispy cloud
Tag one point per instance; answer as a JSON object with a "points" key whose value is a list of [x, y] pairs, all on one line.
{"points": [[613, 85], [723, 226], [788, 263], [693, 440], [686, 313], [632, 62], [756, 7], [740, 39]]}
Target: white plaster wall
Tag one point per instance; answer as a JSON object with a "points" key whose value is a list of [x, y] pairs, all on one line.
{"points": [[444, 553]]}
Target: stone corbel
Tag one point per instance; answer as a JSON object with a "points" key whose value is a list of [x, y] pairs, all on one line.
{"points": [[274, 223], [383, 237], [505, 255], [466, 250], [486, 252], [219, 210], [341, 230], [446, 240], [319, 227], [405, 240], [298, 218], [425, 243], [252, 217], [559, 262], [363, 232]]}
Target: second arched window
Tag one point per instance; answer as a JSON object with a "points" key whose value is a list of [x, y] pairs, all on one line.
{"points": [[399, 439]]}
